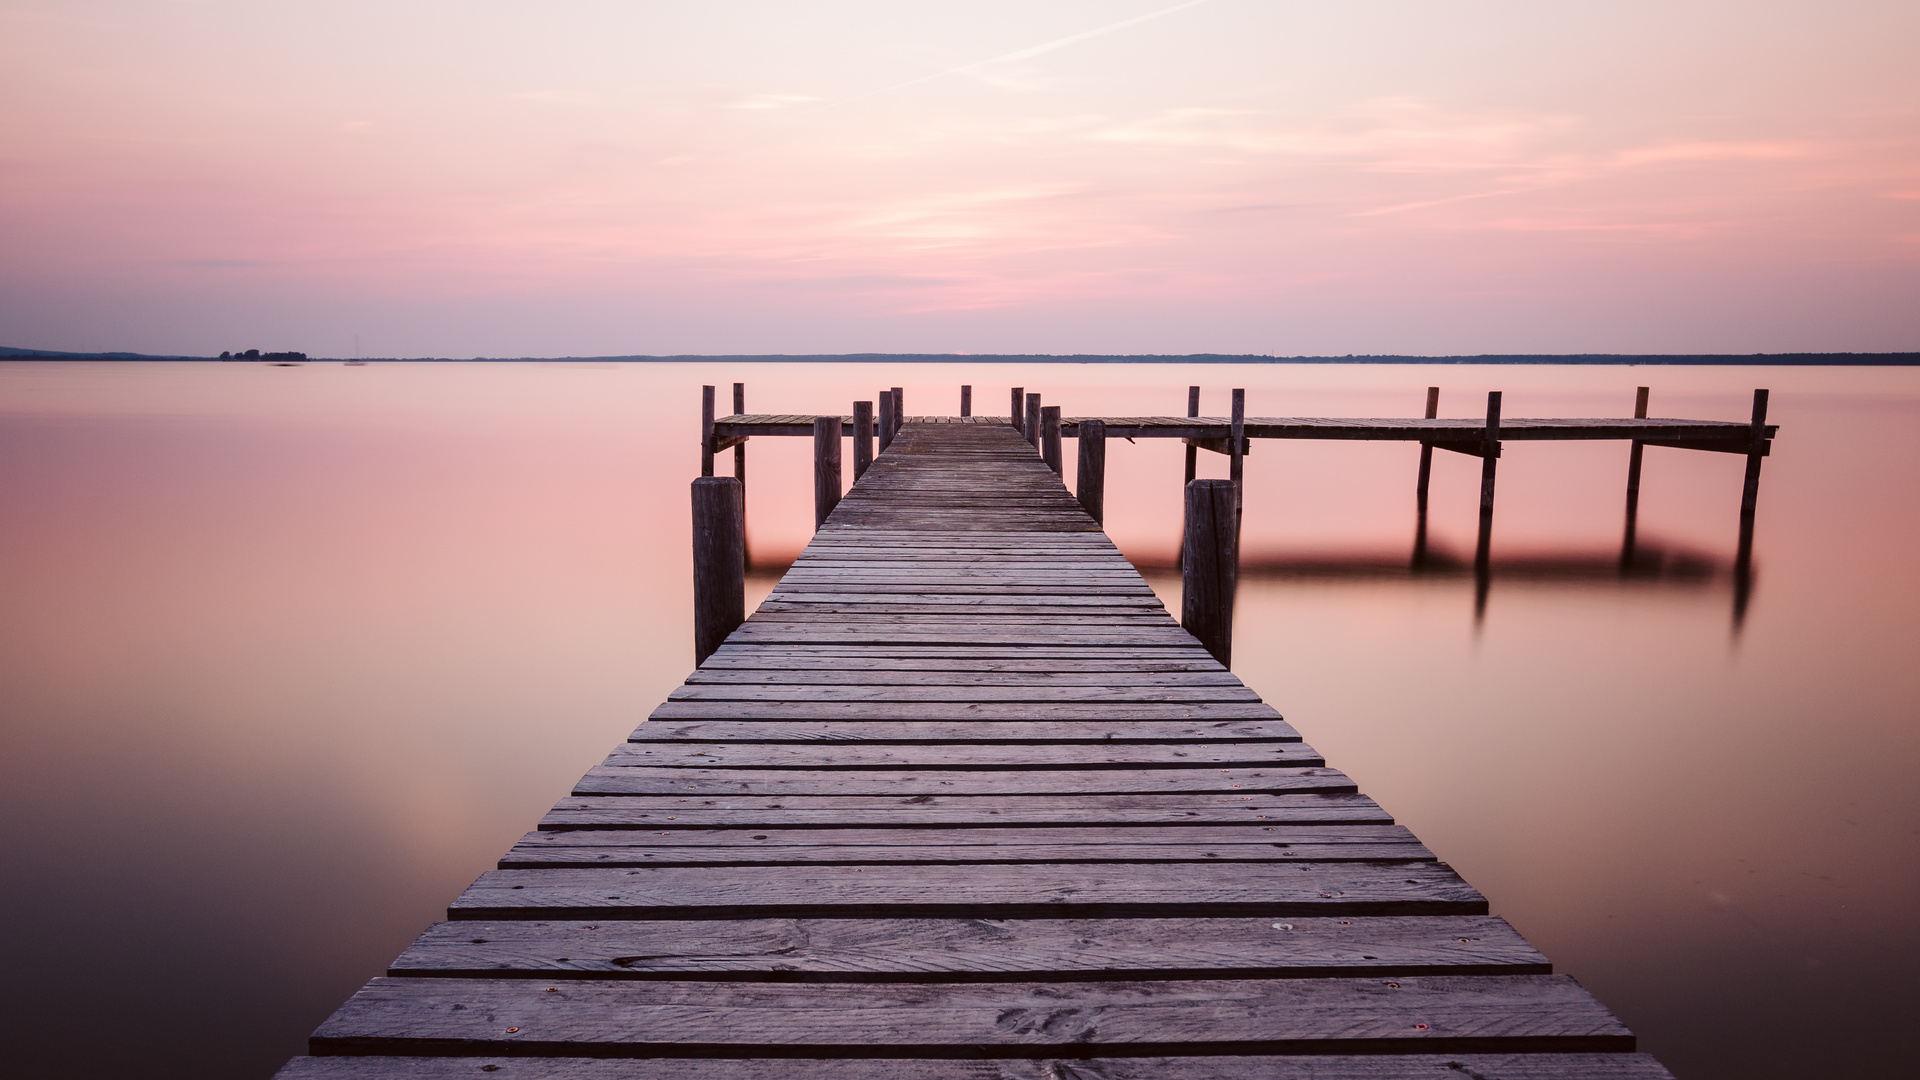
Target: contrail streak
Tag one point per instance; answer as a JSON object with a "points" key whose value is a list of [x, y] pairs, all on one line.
{"points": [[1035, 50]]}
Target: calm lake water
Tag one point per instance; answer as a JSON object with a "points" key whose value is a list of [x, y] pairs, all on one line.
{"points": [[290, 655]]}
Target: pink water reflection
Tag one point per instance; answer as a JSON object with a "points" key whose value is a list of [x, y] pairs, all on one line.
{"points": [[291, 654]]}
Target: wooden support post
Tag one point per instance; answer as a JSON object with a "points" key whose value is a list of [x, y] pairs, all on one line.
{"points": [[1019, 410], [1209, 566], [706, 431], [966, 401], [719, 562], [1031, 427], [740, 448], [1050, 437], [1634, 454], [899, 410], [826, 467], [1750, 493], [1091, 477], [1236, 455], [886, 420], [1489, 460], [1193, 409], [862, 437], [1420, 490]]}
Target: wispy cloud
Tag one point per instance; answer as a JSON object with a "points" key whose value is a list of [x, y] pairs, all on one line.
{"points": [[1031, 51]]}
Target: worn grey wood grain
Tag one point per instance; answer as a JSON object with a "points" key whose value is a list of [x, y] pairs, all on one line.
{"points": [[814, 676], [1005, 891], [1213, 755], [639, 781], [975, 731], [861, 710], [957, 811], [874, 950], [1263, 833], [643, 1018], [899, 693], [1217, 1067]]}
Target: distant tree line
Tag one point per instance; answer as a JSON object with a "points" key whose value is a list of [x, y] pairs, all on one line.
{"points": [[256, 354]]}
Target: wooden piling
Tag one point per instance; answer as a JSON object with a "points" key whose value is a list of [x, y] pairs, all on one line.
{"points": [[1209, 566], [1090, 479], [1420, 490], [1489, 462], [886, 420], [1193, 452], [899, 409], [966, 401], [1634, 455], [740, 448], [826, 467], [1019, 410], [1031, 429], [1750, 491], [1050, 437], [862, 437], [719, 562], [706, 431], [1236, 455]]}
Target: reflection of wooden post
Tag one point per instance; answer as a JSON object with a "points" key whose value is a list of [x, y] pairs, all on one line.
{"points": [[1050, 437], [826, 467], [1750, 493], [1019, 410], [1634, 455], [1237, 452], [966, 401], [886, 420], [719, 562], [1208, 566], [1489, 463], [740, 448], [706, 431], [1032, 426], [1420, 490], [1193, 409], [1091, 477], [862, 437]]}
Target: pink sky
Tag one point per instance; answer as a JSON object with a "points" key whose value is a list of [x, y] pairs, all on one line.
{"points": [[586, 178]]}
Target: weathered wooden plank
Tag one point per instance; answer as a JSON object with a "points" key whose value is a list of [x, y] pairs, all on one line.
{"points": [[537, 856], [957, 811], [897, 693], [604, 780], [1041, 660], [871, 710], [801, 674], [1033, 608], [1217, 1067], [1275, 834], [1447, 1013], [948, 756], [980, 731], [1008, 891], [954, 950]]}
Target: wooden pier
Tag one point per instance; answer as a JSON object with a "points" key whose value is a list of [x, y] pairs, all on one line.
{"points": [[961, 799]]}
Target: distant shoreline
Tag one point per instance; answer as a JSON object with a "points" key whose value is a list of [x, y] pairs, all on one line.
{"points": [[1799, 359]]}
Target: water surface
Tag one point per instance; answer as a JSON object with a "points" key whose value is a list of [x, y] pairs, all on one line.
{"points": [[290, 655]]}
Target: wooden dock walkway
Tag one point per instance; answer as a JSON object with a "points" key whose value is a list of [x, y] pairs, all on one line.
{"points": [[962, 800]]}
